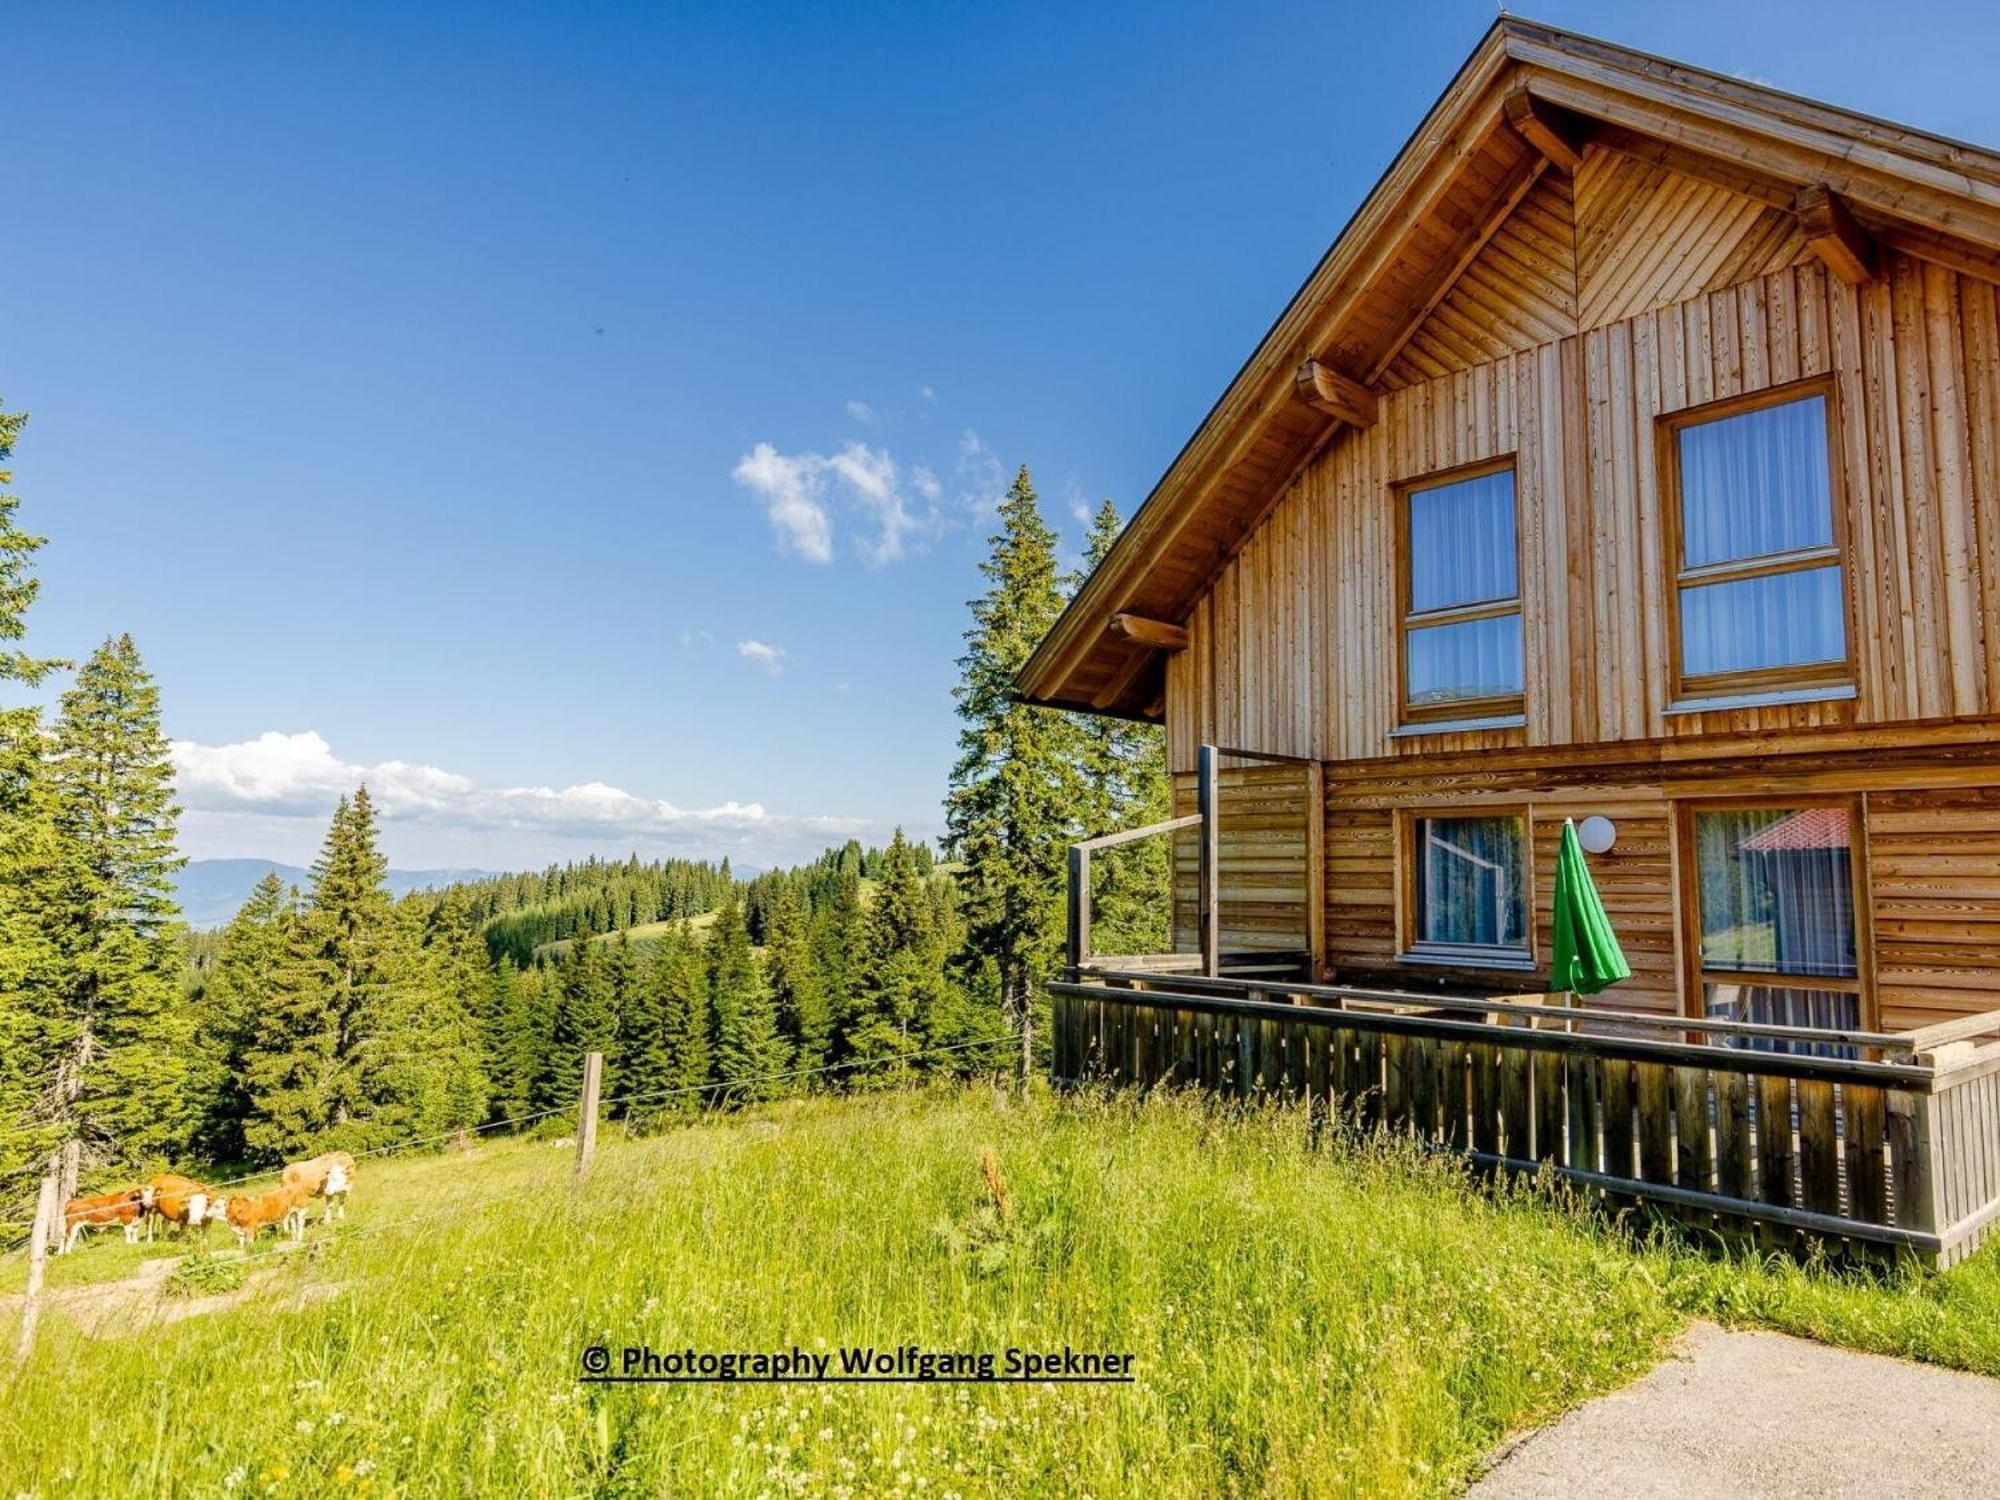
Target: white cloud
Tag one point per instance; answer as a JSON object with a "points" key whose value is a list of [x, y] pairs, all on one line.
{"points": [[862, 412], [770, 658], [786, 486], [696, 637], [801, 491], [272, 795], [927, 393], [982, 478]]}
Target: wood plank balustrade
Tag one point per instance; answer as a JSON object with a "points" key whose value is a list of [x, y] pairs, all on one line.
{"points": [[1891, 1148]]}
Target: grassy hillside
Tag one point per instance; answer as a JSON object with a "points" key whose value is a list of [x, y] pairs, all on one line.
{"points": [[644, 932], [1299, 1318]]}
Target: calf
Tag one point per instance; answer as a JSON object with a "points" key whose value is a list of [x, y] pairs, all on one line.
{"points": [[176, 1200], [125, 1208], [281, 1207]]}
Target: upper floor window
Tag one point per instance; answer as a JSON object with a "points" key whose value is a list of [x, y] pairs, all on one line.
{"points": [[1759, 594], [1461, 597]]}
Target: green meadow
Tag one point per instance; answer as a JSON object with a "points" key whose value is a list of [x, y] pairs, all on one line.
{"points": [[1304, 1315]]}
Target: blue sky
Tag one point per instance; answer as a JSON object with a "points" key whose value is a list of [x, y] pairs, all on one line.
{"points": [[471, 394]]}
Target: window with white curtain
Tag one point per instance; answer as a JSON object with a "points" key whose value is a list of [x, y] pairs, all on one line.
{"points": [[1461, 598], [1776, 913], [1761, 597], [1470, 882]]}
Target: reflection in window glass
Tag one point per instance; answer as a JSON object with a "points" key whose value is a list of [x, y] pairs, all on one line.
{"points": [[1777, 890], [1471, 882]]}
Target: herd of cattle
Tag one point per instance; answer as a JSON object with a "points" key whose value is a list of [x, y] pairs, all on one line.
{"points": [[178, 1200]]}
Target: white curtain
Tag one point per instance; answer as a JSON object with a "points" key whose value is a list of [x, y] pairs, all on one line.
{"points": [[1462, 543], [1773, 620], [1462, 552], [1755, 484], [1472, 659]]}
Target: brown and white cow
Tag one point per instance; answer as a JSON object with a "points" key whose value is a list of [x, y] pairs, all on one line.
{"points": [[124, 1208], [249, 1213]]}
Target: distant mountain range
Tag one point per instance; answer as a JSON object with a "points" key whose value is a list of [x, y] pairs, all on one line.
{"points": [[212, 889]]}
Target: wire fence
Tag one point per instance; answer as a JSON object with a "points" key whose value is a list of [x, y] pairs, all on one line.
{"points": [[721, 1094]]}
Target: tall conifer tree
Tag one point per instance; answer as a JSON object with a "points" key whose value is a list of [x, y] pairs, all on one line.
{"points": [[686, 1016], [1015, 793], [248, 974], [305, 1069], [36, 868], [748, 1047], [124, 1087], [792, 970]]}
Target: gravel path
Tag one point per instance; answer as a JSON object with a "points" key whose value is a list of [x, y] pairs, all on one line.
{"points": [[1754, 1414]]}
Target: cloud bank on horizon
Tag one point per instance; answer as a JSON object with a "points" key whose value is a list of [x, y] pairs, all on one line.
{"points": [[271, 797]]}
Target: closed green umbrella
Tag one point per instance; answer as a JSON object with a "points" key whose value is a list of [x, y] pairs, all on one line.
{"points": [[1585, 953]]}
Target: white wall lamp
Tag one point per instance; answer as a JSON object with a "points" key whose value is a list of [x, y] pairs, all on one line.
{"points": [[1597, 834]]}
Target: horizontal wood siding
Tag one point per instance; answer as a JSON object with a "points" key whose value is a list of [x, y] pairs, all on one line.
{"points": [[1263, 844], [1934, 864]]}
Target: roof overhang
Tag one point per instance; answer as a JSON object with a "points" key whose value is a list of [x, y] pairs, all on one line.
{"points": [[1526, 101]]}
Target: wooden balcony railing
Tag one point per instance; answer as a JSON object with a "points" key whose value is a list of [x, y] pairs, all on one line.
{"points": [[1889, 1147]]}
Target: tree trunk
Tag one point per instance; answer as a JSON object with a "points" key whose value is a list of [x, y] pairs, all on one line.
{"points": [[68, 1164]]}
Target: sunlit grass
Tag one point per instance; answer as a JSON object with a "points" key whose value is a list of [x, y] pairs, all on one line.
{"points": [[1303, 1318]]}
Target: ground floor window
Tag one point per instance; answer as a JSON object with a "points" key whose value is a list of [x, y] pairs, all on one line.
{"points": [[1776, 904], [1470, 887]]}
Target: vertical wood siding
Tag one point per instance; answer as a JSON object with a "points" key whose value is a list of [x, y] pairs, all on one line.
{"points": [[1676, 294], [1294, 648]]}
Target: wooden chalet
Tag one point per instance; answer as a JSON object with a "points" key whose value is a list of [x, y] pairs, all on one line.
{"points": [[1633, 456]]}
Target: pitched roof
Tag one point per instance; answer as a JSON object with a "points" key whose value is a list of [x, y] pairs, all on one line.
{"points": [[1527, 100], [1810, 828]]}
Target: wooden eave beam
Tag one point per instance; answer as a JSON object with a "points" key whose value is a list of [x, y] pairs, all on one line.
{"points": [[1556, 133], [1122, 680], [1340, 396], [1158, 635], [1835, 235]]}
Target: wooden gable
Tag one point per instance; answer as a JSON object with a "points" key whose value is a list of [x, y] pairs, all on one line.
{"points": [[1559, 186]]}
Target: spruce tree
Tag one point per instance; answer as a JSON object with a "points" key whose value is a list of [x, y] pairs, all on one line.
{"points": [[246, 977], [36, 864], [902, 986], [792, 971], [586, 1019], [1015, 796], [748, 1047], [423, 1067], [125, 1087], [305, 1070], [643, 1055], [686, 1017]]}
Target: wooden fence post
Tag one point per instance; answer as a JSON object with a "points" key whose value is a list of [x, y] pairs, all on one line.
{"points": [[1208, 898], [48, 1215], [1079, 907], [68, 1167], [586, 1124]]}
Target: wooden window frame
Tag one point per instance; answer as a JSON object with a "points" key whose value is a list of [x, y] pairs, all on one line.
{"points": [[1696, 976], [1836, 554], [1412, 950], [1495, 706]]}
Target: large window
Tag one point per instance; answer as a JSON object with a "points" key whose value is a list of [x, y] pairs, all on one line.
{"points": [[1759, 597], [1461, 597], [1776, 898], [1469, 888]]}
